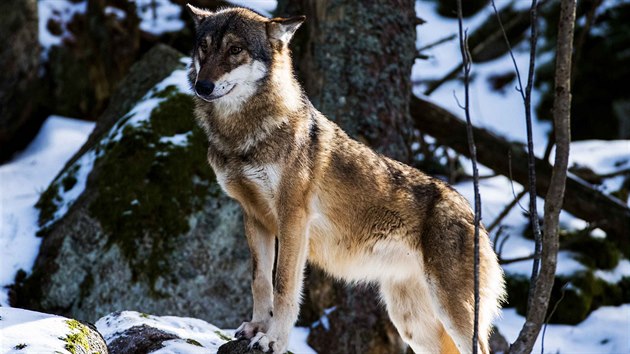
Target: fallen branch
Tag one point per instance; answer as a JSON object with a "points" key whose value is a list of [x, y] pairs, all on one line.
{"points": [[580, 199]]}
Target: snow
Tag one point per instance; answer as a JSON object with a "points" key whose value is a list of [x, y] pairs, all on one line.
{"points": [[177, 139], [614, 276], [17, 327], [606, 330], [21, 181], [80, 170], [502, 113], [159, 16], [141, 112], [60, 11]]}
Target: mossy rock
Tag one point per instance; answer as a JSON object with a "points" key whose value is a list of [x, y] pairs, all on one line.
{"points": [[136, 219], [597, 253], [572, 298]]}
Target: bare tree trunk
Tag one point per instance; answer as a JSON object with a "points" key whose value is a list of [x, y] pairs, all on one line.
{"points": [[553, 202], [354, 59]]}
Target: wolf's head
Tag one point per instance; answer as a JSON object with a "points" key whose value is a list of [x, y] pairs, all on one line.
{"points": [[234, 52]]}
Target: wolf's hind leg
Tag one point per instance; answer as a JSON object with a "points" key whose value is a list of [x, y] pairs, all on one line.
{"points": [[410, 308]]}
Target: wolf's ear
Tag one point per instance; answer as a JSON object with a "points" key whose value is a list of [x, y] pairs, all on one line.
{"points": [[282, 29], [198, 14]]}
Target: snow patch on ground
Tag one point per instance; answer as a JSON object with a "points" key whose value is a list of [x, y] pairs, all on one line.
{"points": [[21, 182], [606, 330], [500, 112]]}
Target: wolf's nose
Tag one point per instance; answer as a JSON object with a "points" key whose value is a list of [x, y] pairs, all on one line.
{"points": [[204, 87]]}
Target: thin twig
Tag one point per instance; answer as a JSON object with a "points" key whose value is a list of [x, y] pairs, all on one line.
{"points": [[555, 307], [533, 211], [509, 46], [438, 42], [506, 210], [517, 259], [467, 64]]}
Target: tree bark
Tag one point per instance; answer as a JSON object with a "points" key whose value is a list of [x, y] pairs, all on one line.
{"points": [[354, 59], [553, 202], [510, 159]]}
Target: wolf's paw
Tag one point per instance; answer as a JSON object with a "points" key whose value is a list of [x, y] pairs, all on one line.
{"points": [[247, 330], [268, 343]]}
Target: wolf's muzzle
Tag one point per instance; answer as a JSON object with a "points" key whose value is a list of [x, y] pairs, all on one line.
{"points": [[204, 88]]}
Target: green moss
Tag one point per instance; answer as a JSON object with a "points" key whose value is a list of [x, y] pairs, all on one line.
{"points": [[78, 337], [193, 342], [47, 204], [148, 189], [144, 315], [167, 91], [223, 336], [595, 252]]}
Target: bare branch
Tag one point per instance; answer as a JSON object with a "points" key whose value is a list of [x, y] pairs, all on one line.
{"points": [[539, 300], [467, 64], [437, 43]]}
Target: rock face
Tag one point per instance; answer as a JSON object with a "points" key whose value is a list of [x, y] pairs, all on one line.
{"points": [[19, 87], [136, 219], [33, 332]]}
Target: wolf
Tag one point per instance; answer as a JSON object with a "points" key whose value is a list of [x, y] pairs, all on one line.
{"points": [[328, 199]]}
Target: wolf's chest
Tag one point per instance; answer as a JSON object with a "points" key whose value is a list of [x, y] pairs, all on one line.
{"points": [[251, 181]]}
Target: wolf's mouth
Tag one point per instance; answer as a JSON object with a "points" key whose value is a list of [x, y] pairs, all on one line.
{"points": [[212, 98]]}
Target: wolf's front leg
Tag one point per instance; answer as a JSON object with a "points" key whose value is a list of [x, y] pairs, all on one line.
{"points": [[262, 246], [292, 254]]}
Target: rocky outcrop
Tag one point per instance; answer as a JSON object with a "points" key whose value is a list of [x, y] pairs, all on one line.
{"points": [[136, 219], [131, 332], [19, 84]]}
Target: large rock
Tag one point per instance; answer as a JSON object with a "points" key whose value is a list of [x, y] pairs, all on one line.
{"points": [[33, 332], [97, 47], [19, 85], [136, 219], [352, 318], [131, 332]]}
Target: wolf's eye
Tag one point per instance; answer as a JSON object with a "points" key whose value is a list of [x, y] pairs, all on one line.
{"points": [[204, 46], [235, 50]]}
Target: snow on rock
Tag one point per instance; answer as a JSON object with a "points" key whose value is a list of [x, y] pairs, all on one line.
{"points": [[192, 335], [177, 334], [59, 12], [22, 180], [606, 330], [159, 16], [23, 331]]}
